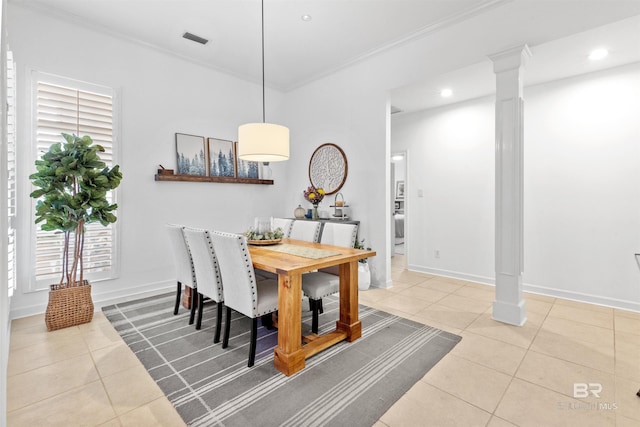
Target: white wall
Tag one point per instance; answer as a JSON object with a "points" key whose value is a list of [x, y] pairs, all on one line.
{"points": [[350, 113], [159, 95], [582, 187], [451, 161]]}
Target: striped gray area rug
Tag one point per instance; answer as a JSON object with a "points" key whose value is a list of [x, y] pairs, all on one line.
{"points": [[349, 384]]}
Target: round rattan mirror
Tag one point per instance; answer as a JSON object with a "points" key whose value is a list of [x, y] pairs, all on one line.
{"points": [[328, 168]]}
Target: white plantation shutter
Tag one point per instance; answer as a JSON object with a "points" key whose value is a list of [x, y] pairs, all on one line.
{"points": [[11, 173], [68, 109]]}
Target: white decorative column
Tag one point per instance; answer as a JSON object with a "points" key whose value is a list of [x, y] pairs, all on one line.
{"points": [[509, 305]]}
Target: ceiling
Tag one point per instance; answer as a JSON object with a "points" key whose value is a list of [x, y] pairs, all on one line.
{"points": [[342, 32], [560, 58]]}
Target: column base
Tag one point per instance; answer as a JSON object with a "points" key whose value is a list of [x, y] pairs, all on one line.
{"points": [[513, 314]]}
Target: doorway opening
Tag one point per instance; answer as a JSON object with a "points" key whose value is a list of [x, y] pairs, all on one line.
{"points": [[399, 199]]}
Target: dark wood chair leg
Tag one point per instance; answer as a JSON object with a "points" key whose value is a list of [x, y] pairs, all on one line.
{"points": [[313, 305], [267, 321], [192, 316], [178, 294], [320, 308], [200, 309], [227, 326], [216, 338], [254, 338]]}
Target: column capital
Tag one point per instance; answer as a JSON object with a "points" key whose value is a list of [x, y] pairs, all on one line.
{"points": [[510, 59]]}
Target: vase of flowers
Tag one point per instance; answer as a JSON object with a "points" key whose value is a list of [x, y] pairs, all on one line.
{"points": [[314, 196]]}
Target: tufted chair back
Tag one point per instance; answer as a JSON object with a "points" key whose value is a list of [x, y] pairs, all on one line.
{"points": [[284, 223], [308, 231], [205, 263], [185, 272], [339, 234], [240, 286]]}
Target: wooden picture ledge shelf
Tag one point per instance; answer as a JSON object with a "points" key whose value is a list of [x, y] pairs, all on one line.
{"points": [[225, 179]]}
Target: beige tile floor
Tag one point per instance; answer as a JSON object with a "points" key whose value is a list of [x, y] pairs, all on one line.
{"points": [[498, 375]]}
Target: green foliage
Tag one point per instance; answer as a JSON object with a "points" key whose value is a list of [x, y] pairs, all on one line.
{"points": [[360, 245], [71, 188], [252, 234]]}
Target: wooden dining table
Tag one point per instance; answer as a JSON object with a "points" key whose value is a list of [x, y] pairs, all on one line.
{"points": [[293, 349]]}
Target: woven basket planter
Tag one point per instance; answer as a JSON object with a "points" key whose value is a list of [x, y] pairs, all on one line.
{"points": [[69, 305]]}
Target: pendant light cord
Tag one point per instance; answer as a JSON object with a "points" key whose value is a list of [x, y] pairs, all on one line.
{"points": [[263, 109]]}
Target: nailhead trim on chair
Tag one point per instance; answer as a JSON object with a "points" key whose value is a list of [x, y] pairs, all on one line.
{"points": [[194, 283], [249, 266], [215, 263]]}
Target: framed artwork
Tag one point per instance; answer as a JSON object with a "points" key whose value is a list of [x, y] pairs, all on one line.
{"points": [[222, 157], [399, 189], [328, 168], [247, 169], [191, 155]]}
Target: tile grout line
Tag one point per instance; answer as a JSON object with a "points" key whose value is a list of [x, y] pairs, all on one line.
{"points": [[528, 350], [515, 371]]}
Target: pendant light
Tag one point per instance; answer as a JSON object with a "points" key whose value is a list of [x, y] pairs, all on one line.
{"points": [[263, 142]]}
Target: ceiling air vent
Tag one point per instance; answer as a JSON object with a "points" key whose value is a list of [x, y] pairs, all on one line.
{"points": [[395, 110], [195, 38]]}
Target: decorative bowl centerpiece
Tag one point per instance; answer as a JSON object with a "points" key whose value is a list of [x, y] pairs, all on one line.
{"points": [[266, 238]]}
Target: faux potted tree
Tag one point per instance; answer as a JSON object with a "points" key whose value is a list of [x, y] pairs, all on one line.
{"points": [[72, 183]]}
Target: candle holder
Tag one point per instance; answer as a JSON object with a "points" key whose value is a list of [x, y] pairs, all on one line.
{"points": [[340, 207]]}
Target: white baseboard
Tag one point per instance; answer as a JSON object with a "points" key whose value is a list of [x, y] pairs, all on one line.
{"points": [[102, 299], [453, 274], [114, 297], [582, 297], [536, 289]]}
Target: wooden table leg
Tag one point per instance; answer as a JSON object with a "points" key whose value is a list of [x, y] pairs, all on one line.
{"points": [[187, 297], [288, 355], [349, 321]]}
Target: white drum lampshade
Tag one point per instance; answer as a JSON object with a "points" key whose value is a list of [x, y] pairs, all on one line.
{"points": [[263, 142]]}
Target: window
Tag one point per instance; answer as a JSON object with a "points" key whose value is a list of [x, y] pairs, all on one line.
{"points": [[11, 174], [68, 106]]}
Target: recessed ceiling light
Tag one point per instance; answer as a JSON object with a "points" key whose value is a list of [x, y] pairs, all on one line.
{"points": [[598, 54], [446, 93], [306, 18], [397, 157]]}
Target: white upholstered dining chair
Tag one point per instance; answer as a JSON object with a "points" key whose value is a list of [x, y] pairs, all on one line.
{"points": [[308, 231], [319, 284], [185, 273], [338, 234], [208, 275], [284, 224], [242, 292]]}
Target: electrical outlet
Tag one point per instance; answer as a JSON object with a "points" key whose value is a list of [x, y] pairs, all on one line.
{"points": [[436, 253]]}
